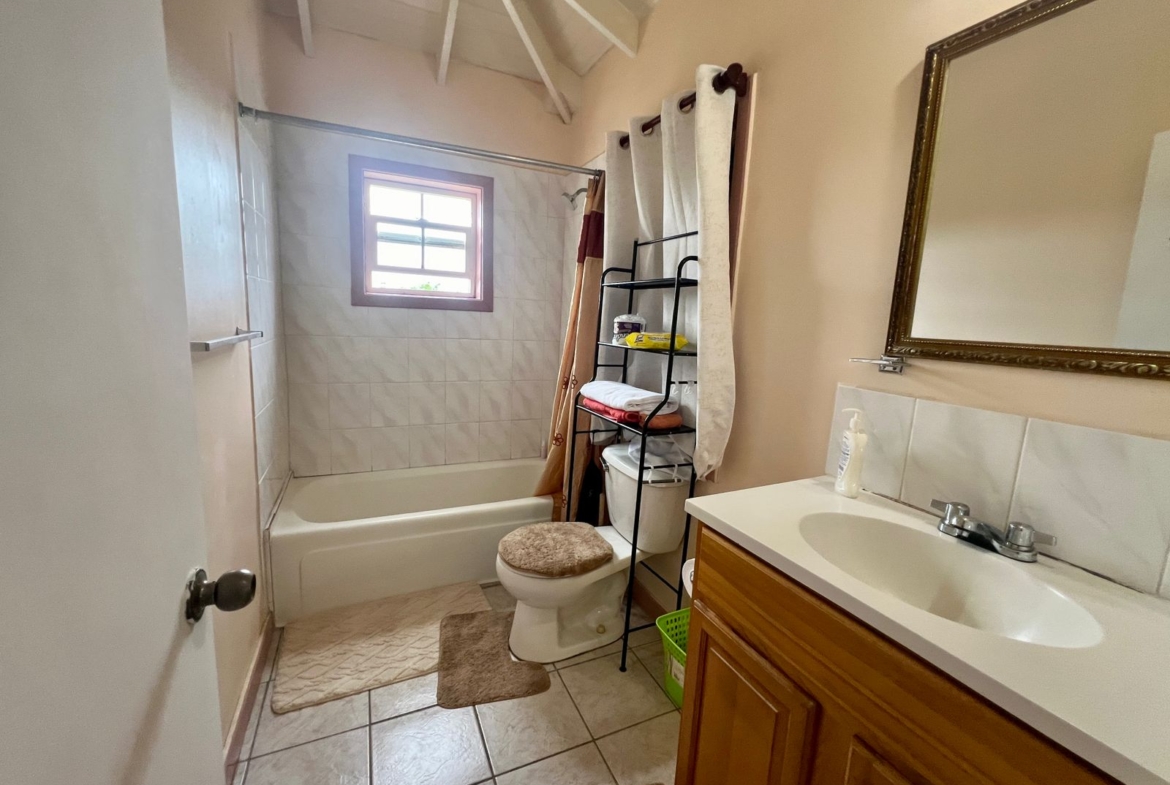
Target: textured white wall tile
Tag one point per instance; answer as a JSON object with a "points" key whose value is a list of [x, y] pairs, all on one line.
{"points": [[497, 324], [309, 406], [389, 322], [1105, 495], [495, 361], [462, 402], [427, 445], [308, 359], [964, 455], [529, 399], [351, 450], [526, 438], [503, 280], [529, 321], [427, 359], [463, 360], [310, 451], [462, 442], [495, 441], [390, 448], [316, 260], [464, 324], [349, 360], [889, 417], [389, 405], [389, 360], [529, 361], [426, 324], [349, 406], [495, 401], [428, 404]]}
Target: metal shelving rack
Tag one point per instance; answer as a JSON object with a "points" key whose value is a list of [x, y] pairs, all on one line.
{"points": [[634, 284]]}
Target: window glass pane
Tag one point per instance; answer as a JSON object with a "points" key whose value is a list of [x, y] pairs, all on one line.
{"points": [[453, 210], [395, 203], [399, 255], [446, 251], [398, 233], [419, 282]]}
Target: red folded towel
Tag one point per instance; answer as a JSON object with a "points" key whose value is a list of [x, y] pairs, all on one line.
{"points": [[660, 422]]}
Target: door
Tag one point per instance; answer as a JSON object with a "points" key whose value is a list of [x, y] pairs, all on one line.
{"points": [[749, 724], [101, 521]]}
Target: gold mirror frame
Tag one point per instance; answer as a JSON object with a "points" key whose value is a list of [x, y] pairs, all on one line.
{"points": [[1145, 364]]}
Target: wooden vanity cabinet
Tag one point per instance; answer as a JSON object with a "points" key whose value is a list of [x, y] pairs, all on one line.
{"points": [[784, 688]]}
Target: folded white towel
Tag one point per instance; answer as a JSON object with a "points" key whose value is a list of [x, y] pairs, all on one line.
{"points": [[627, 397]]}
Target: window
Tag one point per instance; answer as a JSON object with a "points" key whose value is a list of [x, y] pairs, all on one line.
{"points": [[419, 237]]}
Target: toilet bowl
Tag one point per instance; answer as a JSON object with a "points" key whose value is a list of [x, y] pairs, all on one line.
{"points": [[560, 617]]}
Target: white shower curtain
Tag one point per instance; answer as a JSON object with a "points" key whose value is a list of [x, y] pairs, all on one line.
{"points": [[675, 180]]}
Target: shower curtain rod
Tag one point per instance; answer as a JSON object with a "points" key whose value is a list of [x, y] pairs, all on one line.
{"points": [[411, 141], [731, 79]]}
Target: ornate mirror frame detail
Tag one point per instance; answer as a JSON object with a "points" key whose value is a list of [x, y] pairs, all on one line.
{"points": [[898, 339]]}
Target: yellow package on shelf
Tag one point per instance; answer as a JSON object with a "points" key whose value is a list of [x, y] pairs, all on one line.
{"points": [[654, 341]]}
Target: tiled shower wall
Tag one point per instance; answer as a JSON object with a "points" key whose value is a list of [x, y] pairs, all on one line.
{"points": [[1105, 495], [269, 382], [384, 388]]}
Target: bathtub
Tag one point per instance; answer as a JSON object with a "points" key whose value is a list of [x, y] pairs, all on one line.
{"points": [[350, 538]]}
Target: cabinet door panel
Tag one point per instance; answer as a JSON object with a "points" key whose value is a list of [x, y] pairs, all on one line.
{"points": [[750, 725], [867, 768]]}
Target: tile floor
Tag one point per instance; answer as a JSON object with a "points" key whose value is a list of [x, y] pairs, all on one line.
{"points": [[594, 726]]}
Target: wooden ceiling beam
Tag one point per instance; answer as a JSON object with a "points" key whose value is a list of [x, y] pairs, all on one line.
{"points": [[612, 19], [448, 40], [558, 79], [306, 27]]}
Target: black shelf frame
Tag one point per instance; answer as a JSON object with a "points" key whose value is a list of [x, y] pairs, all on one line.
{"points": [[678, 283]]}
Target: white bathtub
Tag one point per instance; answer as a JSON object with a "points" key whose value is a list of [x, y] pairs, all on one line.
{"points": [[355, 537]]}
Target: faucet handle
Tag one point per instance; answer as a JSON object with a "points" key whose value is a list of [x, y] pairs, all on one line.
{"points": [[1024, 537], [950, 509]]}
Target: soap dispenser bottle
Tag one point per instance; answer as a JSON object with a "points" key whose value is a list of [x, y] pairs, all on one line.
{"points": [[853, 444]]}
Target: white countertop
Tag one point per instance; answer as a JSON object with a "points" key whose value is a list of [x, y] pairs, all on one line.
{"points": [[1108, 703]]}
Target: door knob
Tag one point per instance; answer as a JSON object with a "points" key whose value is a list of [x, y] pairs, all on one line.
{"points": [[232, 591]]}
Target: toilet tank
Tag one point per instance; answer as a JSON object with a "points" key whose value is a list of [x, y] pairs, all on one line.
{"points": [[663, 520]]}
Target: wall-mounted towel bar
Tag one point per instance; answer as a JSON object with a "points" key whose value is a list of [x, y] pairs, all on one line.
{"points": [[219, 343]]}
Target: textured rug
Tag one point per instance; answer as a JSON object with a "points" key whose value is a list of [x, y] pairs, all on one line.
{"points": [[349, 650], [475, 665]]}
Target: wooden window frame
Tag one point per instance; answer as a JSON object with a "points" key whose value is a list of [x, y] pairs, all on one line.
{"points": [[362, 233]]}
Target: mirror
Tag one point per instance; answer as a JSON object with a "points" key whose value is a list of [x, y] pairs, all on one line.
{"points": [[1038, 221]]}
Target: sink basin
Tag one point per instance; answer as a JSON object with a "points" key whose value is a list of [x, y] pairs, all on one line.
{"points": [[951, 579]]}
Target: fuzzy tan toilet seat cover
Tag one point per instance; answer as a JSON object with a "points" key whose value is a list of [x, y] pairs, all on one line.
{"points": [[555, 550]]}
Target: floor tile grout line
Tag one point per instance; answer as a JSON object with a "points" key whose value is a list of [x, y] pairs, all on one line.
{"points": [[661, 684], [370, 737], [578, 708], [546, 757], [487, 753], [303, 743], [673, 710]]}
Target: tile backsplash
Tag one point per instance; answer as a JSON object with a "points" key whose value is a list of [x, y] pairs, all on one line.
{"points": [[1105, 495], [386, 388]]}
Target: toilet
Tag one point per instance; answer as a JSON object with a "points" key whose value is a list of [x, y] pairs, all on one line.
{"points": [[569, 579]]}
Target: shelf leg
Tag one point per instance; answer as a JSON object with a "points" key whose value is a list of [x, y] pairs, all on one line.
{"points": [[633, 554]]}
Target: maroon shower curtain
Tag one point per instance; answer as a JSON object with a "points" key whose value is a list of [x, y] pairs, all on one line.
{"points": [[576, 361]]}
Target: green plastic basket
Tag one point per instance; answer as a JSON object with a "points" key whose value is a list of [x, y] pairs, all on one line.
{"points": [[674, 628]]}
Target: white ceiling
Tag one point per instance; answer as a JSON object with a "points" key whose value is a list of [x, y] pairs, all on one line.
{"points": [[484, 32]]}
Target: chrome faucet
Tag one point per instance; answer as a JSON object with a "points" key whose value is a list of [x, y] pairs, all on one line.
{"points": [[1017, 542]]}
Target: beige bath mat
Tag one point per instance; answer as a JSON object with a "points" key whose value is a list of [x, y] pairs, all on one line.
{"points": [[475, 665], [349, 650]]}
